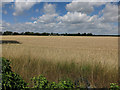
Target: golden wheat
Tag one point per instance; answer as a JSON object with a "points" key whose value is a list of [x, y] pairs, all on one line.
{"points": [[64, 56]]}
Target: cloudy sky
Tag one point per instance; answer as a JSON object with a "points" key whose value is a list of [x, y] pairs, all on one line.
{"points": [[61, 17]]}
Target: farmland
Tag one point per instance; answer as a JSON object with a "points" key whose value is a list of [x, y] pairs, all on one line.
{"points": [[61, 57]]}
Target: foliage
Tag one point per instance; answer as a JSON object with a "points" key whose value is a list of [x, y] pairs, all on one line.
{"points": [[65, 84], [9, 78], [114, 86], [42, 82], [52, 85]]}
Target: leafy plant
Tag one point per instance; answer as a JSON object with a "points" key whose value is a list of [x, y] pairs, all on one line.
{"points": [[52, 85], [42, 82], [65, 84], [114, 86], [9, 78]]}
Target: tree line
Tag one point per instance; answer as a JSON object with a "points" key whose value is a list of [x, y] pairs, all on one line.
{"points": [[45, 34]]}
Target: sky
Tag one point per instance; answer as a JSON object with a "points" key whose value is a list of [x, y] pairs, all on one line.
{"points": [[61, 17]]}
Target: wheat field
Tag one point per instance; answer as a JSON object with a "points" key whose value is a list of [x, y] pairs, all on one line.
{"points": [[60, 57]]}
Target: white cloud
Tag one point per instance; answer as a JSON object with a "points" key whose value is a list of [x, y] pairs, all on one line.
{"points": [[79, 7], [5, 12], [71, 22], [33, 18], [110, 13], [22, 6], [14, 14], [49, 8], [74, 18], [37, 10], [50, 14], [28, 22], [47, 18], [35, 22], [83, 7]]}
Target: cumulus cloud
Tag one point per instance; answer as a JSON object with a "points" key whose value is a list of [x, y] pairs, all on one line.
{"points": [[110, 13], [74, 18], [22, 6], [49, 14], [72, 22], [48, 18], [49, 8], [83, 7]]}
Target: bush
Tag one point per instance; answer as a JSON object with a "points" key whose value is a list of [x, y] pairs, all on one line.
{"points": [[9, 78]]}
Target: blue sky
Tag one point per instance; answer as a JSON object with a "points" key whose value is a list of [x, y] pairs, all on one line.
{"points": [[60, 17], [26, 16]]}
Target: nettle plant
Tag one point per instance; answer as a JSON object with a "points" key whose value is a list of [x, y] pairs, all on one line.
{"points": [[42, 82], [9, 78]]}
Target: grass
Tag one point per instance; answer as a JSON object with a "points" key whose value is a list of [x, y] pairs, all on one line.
{"points": [[58, 57]]}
